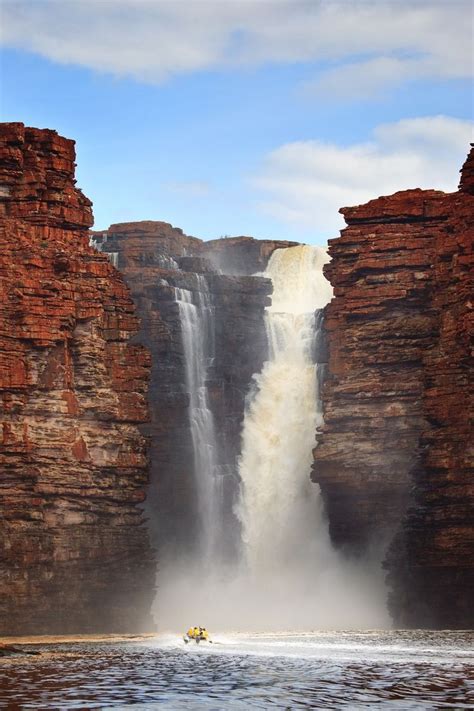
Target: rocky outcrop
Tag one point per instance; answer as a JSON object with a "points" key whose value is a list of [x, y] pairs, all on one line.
{"points": [[156, 259], [431, 561], [398, 397], [378, 328], [74, 553]]}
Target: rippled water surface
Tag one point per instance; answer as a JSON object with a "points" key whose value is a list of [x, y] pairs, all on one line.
{"points": [[400, 670]]}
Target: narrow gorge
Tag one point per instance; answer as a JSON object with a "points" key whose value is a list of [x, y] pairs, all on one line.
{"points": [[166, 402]]}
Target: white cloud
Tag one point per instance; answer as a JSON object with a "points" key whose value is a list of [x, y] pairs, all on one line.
{"points": [[306, 182], [368, 43], [361, 80]]}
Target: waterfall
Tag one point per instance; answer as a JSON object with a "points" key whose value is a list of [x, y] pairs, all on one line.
{"points": [[113, 258], [98, 242], [288, 576], [197, 329], [279, 505]]}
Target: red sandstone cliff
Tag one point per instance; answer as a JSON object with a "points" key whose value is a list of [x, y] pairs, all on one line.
{"points": [[398, 398], [73, 551], [431, 561]]}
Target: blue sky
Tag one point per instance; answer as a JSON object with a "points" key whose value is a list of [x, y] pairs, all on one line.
{"points": [[244, 117]]}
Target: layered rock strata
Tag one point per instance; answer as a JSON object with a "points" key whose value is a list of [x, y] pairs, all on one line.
{"points": [[398, 397], [431, 560], [156, 260], [74, 553]]}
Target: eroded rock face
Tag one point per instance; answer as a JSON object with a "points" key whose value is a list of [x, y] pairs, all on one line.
{"points": [[398, 397], [75, 555], [431, 560], [156, 259]]}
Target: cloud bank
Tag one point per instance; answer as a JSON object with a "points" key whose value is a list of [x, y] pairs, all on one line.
{"points": [[364, 45], [306, 182]]}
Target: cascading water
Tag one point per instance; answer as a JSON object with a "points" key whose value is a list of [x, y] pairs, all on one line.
{"points": [[197, 329], [279, 505], [288, 567], [288, 576], [98, 242]]}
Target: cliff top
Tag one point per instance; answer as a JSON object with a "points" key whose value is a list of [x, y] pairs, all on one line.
{"points": [[160, 228], [399, 207], [37, 182], [412, 204], [466, 184], [148, 227]]}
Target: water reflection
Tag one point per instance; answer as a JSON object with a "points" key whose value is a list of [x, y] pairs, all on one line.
{"points": [[400, 670]]}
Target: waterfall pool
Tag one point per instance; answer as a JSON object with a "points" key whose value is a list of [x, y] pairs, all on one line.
{"points": [[317, 670]]}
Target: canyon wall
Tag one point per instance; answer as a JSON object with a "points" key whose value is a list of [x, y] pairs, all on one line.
{"points": [[395, 453], [394, 456], [157, 260], [74, 552]]}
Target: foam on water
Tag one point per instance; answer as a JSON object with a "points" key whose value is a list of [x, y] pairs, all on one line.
{"points": [[327, 670]]}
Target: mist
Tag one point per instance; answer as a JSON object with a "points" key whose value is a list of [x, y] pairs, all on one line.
{"points": [[288, 576], [343, 595]]}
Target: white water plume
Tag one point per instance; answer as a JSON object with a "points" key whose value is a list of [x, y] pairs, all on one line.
{"points": [[197, 329], [279, 504], [295, 577], [289, 576]]}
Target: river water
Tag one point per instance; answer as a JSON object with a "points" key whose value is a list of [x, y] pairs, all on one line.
{"points": [[324, 670]]}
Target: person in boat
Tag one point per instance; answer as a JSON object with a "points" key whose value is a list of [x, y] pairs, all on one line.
{"points": [[197, 633], [194, 632]]}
